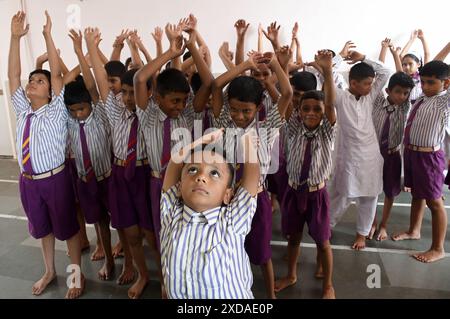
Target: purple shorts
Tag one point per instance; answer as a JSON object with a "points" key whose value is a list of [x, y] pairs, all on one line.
{"points": [[155, 195], [392, 174], [316, 214], [424, 173], [94, 203], [277, 183], [447, 177], [70, 163], [129, 202], [49, 205], [257, 242]]}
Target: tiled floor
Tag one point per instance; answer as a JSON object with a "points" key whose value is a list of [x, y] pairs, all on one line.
{"points": [[400, 275]]}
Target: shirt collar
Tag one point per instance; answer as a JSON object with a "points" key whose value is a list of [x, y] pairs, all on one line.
{"points": [[161, 115], [207, 217], [39, 112]]}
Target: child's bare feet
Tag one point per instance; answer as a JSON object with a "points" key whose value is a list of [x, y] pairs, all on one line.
{"points": [[372, 232], [319, 272], [405, 236], [360, 242], [382, 234], [117, 251], [284, 282], [127, 275], [430, 256], [138, 287], [328, 293], [40, 285], [107, 271], [98, 253], [76, 292]]}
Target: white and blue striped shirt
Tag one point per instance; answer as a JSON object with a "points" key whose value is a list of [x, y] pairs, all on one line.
{"points": [[98, 138], [48, 131], [203, 254], [120, 119]]}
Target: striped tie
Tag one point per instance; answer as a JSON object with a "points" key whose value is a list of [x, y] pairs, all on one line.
{"points": [[88, 168], [411, 117], [26, 159], [130, 165]]}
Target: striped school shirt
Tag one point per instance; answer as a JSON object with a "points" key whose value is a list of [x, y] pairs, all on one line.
{"points": [[416, 91], [431, 120], [203, 254], [397, 119], [152, 123], [321, 148], [98, 138], [267, 132], [120, 120], [48, 131]]}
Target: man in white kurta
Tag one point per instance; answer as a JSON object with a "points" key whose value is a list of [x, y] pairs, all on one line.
{"points": [[359, 165]]}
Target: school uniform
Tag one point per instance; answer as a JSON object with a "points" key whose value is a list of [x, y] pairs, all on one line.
{"points": [[45, 187], [202, 254], [416, 91], [277, 182]]}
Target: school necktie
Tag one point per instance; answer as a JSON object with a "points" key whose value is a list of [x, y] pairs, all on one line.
{"points": [[384, 142], [304, 173], [87, 164], [130, 164], [262, 113], [410, 121], [165, 154], [26, 159], [206, 122]]}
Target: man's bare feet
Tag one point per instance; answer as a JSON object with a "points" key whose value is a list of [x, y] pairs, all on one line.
{"points": [[98, 253], [76, 292], [117, 251], [107, 271], [405, 236], [382, 234], [127, 275], [360, 242], [430, 256], [40, 285], [284, 282], [319, 272], [328, 293], [138, 287], [372, 232]]}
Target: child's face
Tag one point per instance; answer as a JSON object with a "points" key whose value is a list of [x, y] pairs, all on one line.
{"points": [[128, 97], [311, 112], [398, 95], [204, 181], [242, 113], [262, 73], [173, 103], [361, 87], [409, 65], [432, 86], [80, 111], [115, 85], [38, 87], [296, 97]]}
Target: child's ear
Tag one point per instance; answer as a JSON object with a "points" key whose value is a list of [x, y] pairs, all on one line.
{"points": [[158, 98], [387, 91], [228, 196], [446, 83]]}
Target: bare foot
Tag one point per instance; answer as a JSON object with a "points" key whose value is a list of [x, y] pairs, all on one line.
{"points": [[76, 292], [107, 271], [98, 253], [328, 293], [405, 236], [319, 272], [382, 234], [372, 232], [138, 287], [117, 251], [127, 275], [40, 285], [284, 282], [430, 256], [360, 242]]}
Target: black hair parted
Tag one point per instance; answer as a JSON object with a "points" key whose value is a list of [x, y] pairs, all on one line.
{"points": [[304, 81], [401, 79], [115, 68], [361, 71], [436, 68], [196, 82], [246, 89], [171, 80], [76, 92], [128, 78], [313, 94]]}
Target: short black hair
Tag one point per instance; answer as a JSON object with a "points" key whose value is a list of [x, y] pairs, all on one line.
{"points": [[304, 81], [47, 75], [401, 79], [127, 77], [412, 56], [76, 92], [115, 68], [196, 82], [361, 71], [246, 89], [438, 69], [171, 80], [313, 94]]}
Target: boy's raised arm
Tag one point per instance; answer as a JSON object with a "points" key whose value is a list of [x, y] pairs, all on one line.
{"points": [[118, 45], [18, 30], [241, 28], [283, 80], [251, 175], [226, 56], [53, 57], [426, 49], [443, 53], [325, 60], [157, 36], [272, 35]]}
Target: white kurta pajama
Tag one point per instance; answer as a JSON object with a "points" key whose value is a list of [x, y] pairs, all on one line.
{"points": [[358, 169]]}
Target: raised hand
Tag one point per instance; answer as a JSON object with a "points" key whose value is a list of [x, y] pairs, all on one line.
{"points": [[346, 49], [77, 40], [295, 31], [414, 34], [260, 29], [420, 34], [173, 31], [18, 26], [284, 54], [177, 46], [241, 27], [90, 34], [324, 59], [255, 58], [354, 56], [120, 39], [183, 24], [272, 32], [386, 43], [48, 24], [224, 51], [191, 24], [157, 34]]}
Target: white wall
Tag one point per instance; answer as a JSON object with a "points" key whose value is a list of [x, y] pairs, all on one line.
{"points": [[323, 23]]}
